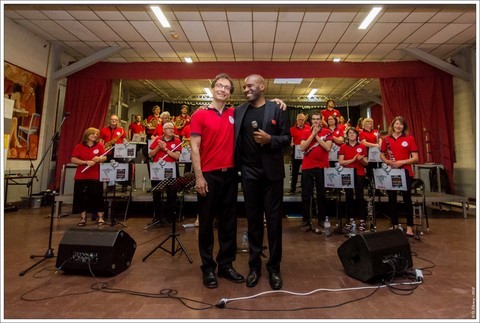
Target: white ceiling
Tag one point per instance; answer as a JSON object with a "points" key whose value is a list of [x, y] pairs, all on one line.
{"points": [[273, 32]]}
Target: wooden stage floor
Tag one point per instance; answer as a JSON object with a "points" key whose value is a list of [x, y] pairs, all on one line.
{"points": [[446, 253]]}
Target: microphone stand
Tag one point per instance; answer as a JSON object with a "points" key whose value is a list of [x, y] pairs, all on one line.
{"points": [[49, 253]]}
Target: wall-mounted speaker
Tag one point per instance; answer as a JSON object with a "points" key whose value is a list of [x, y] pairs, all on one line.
{"points": [[102, 252], [374, 256]]}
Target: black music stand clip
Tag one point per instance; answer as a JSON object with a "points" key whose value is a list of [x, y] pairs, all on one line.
{"points": [[177, 184]]}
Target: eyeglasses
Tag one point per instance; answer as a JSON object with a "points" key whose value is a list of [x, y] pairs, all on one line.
{"points": [[167, 128], [315, 118], [221, 86]]}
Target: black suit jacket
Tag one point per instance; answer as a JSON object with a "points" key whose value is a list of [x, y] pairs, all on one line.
{"points": [[276, 124]]}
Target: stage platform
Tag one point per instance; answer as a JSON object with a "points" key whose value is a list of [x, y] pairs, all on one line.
{"points": [[431, 199]]}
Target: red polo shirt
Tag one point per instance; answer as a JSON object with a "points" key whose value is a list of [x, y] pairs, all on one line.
{"points": [[317, 157], [401, 148], [349, 152], [172, 143], [297, 133], [217, 132], [84, 152]]}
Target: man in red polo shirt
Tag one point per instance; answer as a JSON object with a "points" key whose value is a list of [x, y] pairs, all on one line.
{"points": [[112, 134], [296, 132], [315, 146], [330, 111], [167, 148], [212, 143]]}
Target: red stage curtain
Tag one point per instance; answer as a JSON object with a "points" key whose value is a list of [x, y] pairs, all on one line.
{"points": [[376, 111], [88, 102], [427, 105]]}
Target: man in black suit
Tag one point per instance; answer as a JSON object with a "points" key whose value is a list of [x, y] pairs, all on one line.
{"points": [[261, 134]]}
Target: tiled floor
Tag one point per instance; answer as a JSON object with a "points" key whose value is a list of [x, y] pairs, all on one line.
{"points": [[169, 287]]}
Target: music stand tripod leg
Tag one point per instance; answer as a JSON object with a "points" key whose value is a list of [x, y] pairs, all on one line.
{"points": [[173, 235], [339, 229], [114, 221]]}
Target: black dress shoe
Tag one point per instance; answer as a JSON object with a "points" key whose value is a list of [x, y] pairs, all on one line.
{"points": [[231, 275], [210, 280], [276, 281], [252, 278]]}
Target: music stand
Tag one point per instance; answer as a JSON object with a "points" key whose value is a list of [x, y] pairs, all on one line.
{"points": [[339, 177], [113, 172], [177, 184]]}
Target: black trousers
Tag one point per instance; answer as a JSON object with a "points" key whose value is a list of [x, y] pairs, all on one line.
{"points": [[87, 196], [407, 202], [219, 203], [314, 178], [296, 163], [164, 210], [356, 207], [263, 198]]}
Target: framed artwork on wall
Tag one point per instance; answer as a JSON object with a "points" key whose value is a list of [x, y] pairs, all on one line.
{"points": [[27, 89]]}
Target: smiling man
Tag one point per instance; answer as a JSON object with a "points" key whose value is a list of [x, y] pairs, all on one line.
{"points": [[262, 131]]}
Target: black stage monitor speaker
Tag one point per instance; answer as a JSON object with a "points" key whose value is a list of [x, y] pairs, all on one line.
{"points": [[373, 256], [104, 252]]}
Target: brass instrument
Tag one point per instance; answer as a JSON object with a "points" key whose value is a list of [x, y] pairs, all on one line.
{"points": [[150, 125], [180, 122]]}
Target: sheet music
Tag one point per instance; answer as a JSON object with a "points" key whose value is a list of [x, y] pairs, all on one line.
{"points": [[113, 172], [339, 177], [387, 178]]}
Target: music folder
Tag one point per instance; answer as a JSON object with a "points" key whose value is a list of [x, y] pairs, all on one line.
{"points": [[392, 179], [339, 177]]}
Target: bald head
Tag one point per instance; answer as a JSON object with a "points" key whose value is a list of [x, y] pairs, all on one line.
{"points": [[254, 90]]}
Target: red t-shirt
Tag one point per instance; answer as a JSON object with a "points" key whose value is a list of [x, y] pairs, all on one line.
{"points": [[317, 157], [186, 131], [150, 118], [108, 134], [158, 131], [369, 136], [401, 148], [136, 128], [172, 143], [217, 132], [326, 113], [297, 133], [84, 152], [349, 152]]}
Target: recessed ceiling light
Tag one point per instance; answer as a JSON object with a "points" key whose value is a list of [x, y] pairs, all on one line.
{"points": [[373, 13], [160, 16], [188, 59], [208, 92], [287, 81], [337, 59], [312, 93]]}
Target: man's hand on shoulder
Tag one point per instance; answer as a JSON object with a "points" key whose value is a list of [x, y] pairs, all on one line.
{"points": [[281, 104]]}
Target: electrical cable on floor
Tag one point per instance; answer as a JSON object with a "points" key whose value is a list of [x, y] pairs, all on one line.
{"points": [[399, 288], [223, 302]]}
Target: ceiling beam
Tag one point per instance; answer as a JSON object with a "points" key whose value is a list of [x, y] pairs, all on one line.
{"points": [[86, 62], [370, 97], [438, 63]]}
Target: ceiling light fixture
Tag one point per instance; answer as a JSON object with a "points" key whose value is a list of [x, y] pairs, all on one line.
{"points": [[188, 59], [287, 81], [373, 13], [174, 34], [208, 92], [160, 16], [337, 59], [312, 93]]}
